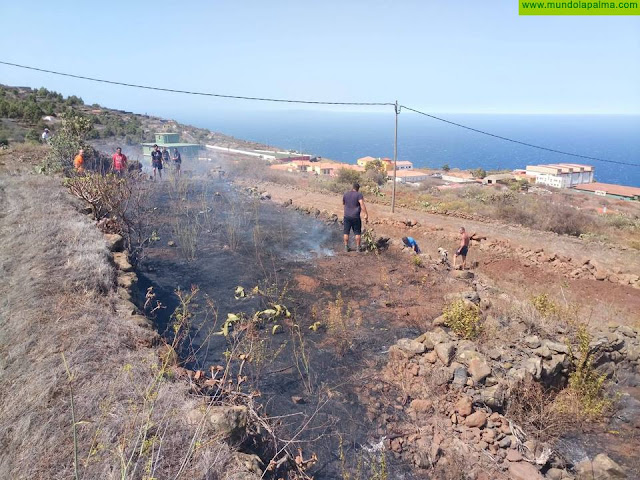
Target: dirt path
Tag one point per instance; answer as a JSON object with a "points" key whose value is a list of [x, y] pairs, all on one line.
{"points": [[504, 267], [610, 257]]}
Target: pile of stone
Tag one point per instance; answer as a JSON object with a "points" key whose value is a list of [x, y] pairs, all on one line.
{"points": [[571, 268], [458, 389]]}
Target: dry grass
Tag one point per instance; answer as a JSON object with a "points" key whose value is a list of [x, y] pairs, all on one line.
{"points": [[58, 299]]}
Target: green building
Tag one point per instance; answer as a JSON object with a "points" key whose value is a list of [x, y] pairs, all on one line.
{"points": [[171, 141]]}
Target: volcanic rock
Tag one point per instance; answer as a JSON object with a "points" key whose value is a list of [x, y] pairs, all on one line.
{"points": [[445, 352], [477, 419], [479, 370], [524, 471], [464, 406]]}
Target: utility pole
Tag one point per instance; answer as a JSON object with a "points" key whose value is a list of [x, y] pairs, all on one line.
{"points": [[395, 160]]}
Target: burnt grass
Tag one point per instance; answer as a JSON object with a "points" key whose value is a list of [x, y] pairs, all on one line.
{"points": [[241, 240]]}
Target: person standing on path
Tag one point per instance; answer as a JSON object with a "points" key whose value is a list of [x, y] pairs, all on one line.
{"points": [[177, 161], [119, 162], [463, 249], [78, 162], [156, 161], [353, 202]]}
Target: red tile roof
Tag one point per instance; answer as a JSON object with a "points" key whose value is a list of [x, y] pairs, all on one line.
{"points": [[612, 189]]}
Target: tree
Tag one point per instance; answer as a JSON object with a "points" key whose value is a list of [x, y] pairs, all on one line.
{"points": [[446, 167], [346, 175], [69, 138], [479, 173]]}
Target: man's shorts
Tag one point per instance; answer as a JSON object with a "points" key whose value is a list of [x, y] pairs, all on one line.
{"points": [[463, 251], [352, 223], [157, 165]]}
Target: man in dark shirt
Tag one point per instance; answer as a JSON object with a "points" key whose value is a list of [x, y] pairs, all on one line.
{"points": [[177, 161], [353, 202], [156, 161]]}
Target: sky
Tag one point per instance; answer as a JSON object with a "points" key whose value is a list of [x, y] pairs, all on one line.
{"points": [[461, 56]]}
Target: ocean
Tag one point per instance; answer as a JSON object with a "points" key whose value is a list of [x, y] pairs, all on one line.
{"points": [[429, 143]]}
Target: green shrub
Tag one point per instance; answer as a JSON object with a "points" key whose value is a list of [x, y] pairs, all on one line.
{"points": [[544, 305], [586, 385], [463, 318]]}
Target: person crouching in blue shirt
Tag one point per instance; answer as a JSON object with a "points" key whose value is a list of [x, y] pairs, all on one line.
{"points": [[411, 243]]}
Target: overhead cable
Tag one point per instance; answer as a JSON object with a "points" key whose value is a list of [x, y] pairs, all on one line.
{"points": [[539, 147]]}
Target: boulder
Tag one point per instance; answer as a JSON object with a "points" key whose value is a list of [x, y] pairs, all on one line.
{"points": [[627, 331], [514, 456], [437, 335], [601, 468], [445, 352], [479, 370], [493, 397], [477, 419], [555, 474], [460, 377], [533, 366], [410, 347], [249, 465], [556, 347], [532, 341], [524, 471], [127, 279], [121, 259], [114, 241], [543, 352], [465, 356], [420, 405], [464, 406], [464, 274], [228, 422]]}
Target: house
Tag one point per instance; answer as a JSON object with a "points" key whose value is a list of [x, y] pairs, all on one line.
{"points": [[498, 177], [561, 175], [610, 190], [400, 164], [410, 176], [171, 141], [362, 162]]}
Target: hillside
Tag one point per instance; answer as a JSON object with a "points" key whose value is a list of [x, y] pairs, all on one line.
{"points": [[211, 326], [26, 112]]}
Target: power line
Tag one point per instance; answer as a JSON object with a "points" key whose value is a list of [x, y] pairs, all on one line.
{"points": [[205, 94], [518, 141], [317, 102]]}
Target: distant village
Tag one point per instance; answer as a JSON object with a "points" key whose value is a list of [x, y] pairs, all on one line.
{"points": [[561, 175], [574, 176]]}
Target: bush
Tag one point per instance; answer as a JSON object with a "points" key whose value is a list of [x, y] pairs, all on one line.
{"points": [[463, 318], [106, 194], [586, 385], [69, 138], [479, 173], [348, 176]]}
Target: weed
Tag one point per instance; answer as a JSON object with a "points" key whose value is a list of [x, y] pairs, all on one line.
{"points": [[544, 305], [463, 318], [341, 324], [416, 260], [586, 385], [356, 469], [369, 240]]}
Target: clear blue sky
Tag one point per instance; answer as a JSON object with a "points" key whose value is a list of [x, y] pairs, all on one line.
{"points": [[455, 56]]}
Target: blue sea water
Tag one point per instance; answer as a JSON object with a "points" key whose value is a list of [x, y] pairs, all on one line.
{"points": [[430, 143]]}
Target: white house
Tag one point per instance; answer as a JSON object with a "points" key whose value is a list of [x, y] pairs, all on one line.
{"points": [[561, 175]]}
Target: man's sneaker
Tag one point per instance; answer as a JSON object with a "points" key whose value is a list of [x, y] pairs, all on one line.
{"points": [[358, 248], [346, 248]]}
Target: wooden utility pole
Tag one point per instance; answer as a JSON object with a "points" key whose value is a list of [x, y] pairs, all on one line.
{"points": [[395, 160]]}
